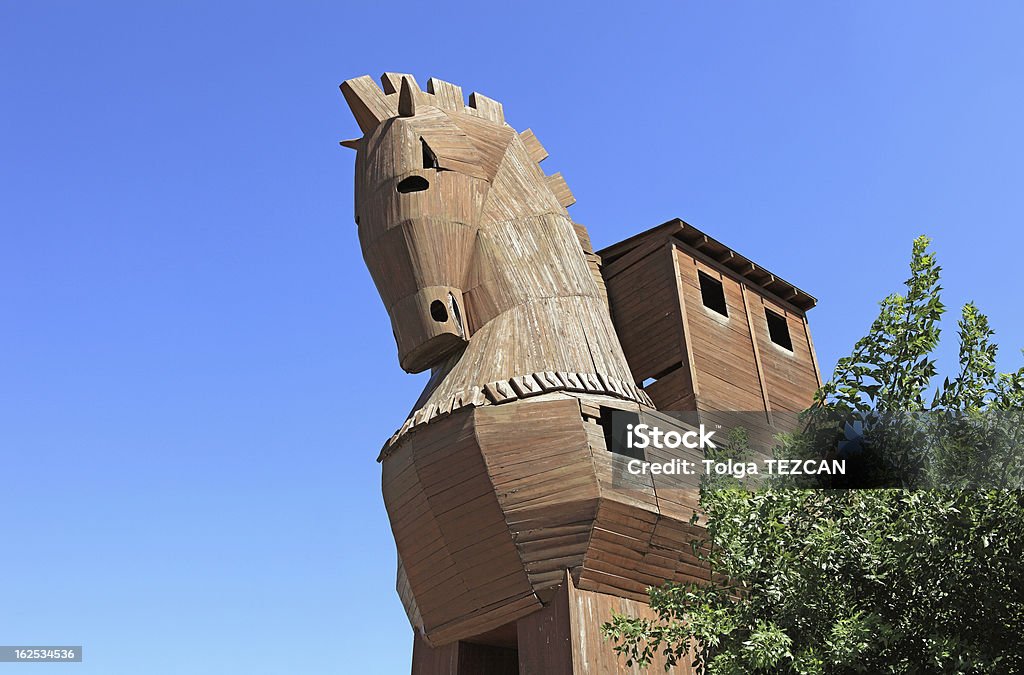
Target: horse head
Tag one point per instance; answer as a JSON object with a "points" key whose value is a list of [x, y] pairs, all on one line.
{"points": [[432, 172]]}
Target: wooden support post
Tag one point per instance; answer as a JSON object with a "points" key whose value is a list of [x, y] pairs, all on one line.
{"points": [[462, 658], [810, 347], [757, 356], [565, 637], [684, 324]]}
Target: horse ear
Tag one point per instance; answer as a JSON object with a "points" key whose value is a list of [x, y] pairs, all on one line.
{"points": [[406, 100], [370, 106]]}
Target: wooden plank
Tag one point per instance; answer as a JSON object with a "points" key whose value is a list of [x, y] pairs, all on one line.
{"points": [[557, 185], [810, 348], [565, 637], [486, 618], [427, 660], [369, 105], [391, 83], [447, 95], [533, 146], [685, 322], [757, 355], [634, 256], [487, 107], [702, 255], [644, 310], [546, 638]]}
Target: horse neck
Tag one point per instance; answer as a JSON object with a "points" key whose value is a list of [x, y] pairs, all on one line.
{"points": [[549, 314]]}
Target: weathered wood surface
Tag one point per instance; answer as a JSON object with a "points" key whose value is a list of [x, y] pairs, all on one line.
{"points": [[499, 485], [627, 251], [490, 508], [463, 658], [499, 479], [697, 358], [517, 387], [565, 639]]}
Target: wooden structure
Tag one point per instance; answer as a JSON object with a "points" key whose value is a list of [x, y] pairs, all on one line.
{"points": [[514, 543], [706, 329]]}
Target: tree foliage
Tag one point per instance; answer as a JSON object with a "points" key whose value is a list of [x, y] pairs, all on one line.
{"points": [[905, 580]]}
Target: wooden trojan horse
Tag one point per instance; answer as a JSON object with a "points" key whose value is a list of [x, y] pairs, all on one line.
{"points": [[514, 542]]}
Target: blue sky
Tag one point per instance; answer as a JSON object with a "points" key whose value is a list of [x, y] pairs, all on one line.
{"points": [[196, 374]]}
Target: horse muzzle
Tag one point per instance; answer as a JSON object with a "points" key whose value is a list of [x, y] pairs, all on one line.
{"points": [[429, 326]]}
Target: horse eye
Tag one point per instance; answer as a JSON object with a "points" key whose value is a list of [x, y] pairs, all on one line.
{"points": [[429, 158], [413, 184]]}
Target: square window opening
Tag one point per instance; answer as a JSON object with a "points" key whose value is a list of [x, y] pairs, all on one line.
{"points": [[712, 294], [778, 329]]}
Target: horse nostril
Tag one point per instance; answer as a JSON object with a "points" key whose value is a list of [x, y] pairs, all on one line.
{"points": [[413, 184], [438, 311]]}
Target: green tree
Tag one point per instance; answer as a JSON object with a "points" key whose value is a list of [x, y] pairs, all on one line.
{"points": [[906, 580]]}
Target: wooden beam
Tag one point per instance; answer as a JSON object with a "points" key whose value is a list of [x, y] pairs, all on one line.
{"points": [[447, 95], [557, 185], [691, 238], [392, 82], [487, 107], [810, 346], [533, 146], [629, 259], [684, 321], [369, 105], [709, 260], [757, 356]]}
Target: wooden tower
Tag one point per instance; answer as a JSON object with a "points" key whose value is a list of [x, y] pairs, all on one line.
{"points": [[514, 543], [704, 328]]}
